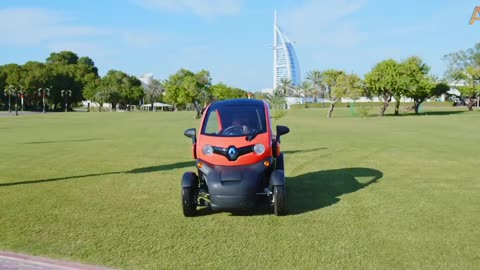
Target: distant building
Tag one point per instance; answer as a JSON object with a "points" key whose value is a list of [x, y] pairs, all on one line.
{"points": [[285, 62]]}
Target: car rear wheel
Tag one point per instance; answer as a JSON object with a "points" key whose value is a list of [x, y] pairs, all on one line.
{"points": [[189, 202], [279, 200]]}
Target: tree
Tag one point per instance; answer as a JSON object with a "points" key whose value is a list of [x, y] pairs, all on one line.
{"points": [[418, 85], [383, 81], [36, 76], [119, 87], [344, 85], [186, 87], [315, 77], [285, 87], [471, 90], [63, 58], [154, 91], [304, 89], [91, 90], [221, 91], [463, 67], [275, 100]]}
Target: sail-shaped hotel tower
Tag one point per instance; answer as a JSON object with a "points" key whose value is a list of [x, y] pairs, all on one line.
{"points": [[285, 62]]}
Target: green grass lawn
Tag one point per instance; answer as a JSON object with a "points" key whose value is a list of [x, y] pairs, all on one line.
{"points": [[104, 188]]}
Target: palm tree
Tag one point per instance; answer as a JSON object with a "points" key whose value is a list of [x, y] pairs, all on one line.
{"points": [[276, 100], [316, 78], [305, 89], [285, 86]]}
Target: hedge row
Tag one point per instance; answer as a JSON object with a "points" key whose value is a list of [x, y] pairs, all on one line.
{"points": [[370, 104]]}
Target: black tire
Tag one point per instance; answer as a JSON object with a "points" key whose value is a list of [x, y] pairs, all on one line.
{"points": [[279, 164], [189, 203], [279, 200]]}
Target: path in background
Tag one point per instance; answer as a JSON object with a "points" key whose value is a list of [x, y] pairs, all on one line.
{"points": [[20, 113]]}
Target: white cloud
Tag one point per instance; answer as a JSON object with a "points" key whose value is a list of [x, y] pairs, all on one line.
{"points": [[33, 26], [204, 8], [323, 22], [47, 29]]}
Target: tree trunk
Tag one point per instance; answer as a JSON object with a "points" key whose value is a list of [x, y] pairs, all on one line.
{"points": [[470, 103], [331, 109], [397, 107], [384, 108], [416, 105], [198, 109]]}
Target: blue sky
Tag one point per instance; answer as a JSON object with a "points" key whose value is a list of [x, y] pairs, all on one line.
{"points": [[233, 38]]}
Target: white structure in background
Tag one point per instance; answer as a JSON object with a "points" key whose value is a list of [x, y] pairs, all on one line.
{"points": [[285, 62], [157, 106], [266, 91], [86, 103]]}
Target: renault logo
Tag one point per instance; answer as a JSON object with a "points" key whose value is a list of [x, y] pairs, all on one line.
{"points": [[232, 152]]}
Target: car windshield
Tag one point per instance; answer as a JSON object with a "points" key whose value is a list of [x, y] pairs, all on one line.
{"points": [[234, 120]]}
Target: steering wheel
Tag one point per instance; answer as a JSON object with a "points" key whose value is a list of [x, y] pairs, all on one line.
{"points": [[235, 130]]}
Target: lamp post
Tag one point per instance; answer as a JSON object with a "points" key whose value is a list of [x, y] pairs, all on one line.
{"points": [[43, 92], [22, 95], [67, 93], [16, 91]]}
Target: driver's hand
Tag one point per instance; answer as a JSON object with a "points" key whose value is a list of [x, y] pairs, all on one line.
{"points": [[245, 129]]}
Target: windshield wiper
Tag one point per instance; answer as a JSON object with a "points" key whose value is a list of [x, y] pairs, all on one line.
{"points": [[251, 136]]}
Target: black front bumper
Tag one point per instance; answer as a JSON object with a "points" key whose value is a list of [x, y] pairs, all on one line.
{"points": [[235, 187]]}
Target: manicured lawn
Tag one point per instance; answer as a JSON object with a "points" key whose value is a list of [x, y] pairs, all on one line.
{"points": [[384, 193]]}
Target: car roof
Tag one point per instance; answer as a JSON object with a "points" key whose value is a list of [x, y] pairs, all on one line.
{"points": [[238, 101]]}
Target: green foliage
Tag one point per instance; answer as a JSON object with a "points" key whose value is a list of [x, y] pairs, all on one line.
{"points": [[61, 71], [383, 81], [154, 91], [315, 77], [345, 85], [275, 101], [186, 87], [372, 105], [119, 87], [278, 113], [330, 77], [464, 66], [459, 61], [363, 111], [63, 58], [285, 87], [304, 90], [221, 91]]}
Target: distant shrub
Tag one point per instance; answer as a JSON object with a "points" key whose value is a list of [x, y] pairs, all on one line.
{"points": [[277, 114], [363, 111]]}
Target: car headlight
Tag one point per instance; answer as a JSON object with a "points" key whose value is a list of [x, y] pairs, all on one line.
{"points": [[259, 148], [207, 149]]}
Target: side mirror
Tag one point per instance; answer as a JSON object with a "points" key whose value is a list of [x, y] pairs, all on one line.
{"points": [[282, 130], [191, 133]]}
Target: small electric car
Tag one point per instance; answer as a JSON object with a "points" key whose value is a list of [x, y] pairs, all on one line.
{"points": [[238, 159]]}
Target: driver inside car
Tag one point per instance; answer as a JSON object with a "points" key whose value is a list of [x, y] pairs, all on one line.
{"points": [[240, 123]]}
